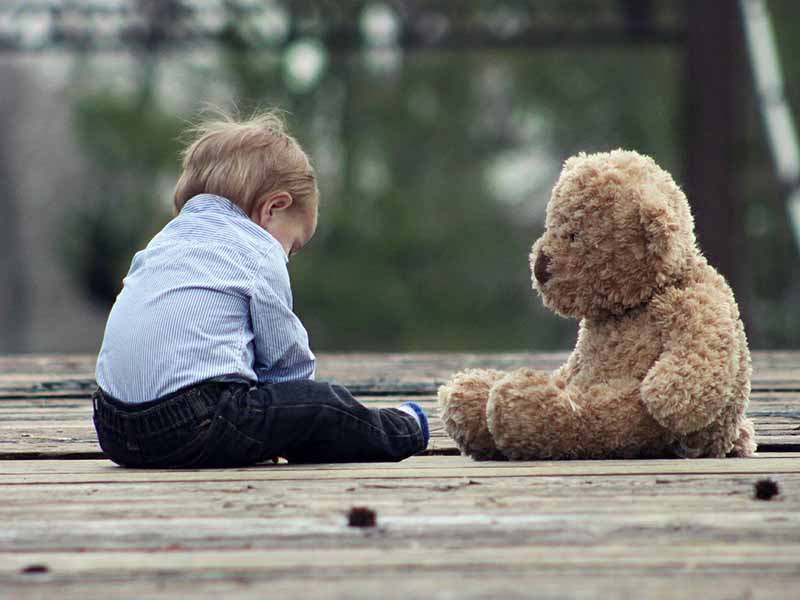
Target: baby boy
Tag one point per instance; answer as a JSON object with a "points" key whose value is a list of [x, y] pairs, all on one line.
{"points": [[203, 362]]}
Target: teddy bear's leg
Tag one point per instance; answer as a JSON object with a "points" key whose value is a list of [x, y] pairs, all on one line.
{"points": [[530, 416], [745, 444], [617, 424], [462, 407]]}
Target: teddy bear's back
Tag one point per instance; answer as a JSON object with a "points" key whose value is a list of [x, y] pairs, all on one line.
{"points": [[718, 438], [618, 353]]}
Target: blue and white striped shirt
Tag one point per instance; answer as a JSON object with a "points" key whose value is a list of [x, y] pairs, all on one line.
{"points": [[208, 298]]}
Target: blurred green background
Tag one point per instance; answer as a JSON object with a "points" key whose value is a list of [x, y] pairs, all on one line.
{"points": [[435, 164]]}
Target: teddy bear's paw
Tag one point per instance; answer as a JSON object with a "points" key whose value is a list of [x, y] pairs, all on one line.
{"points": [[531, 416], [745, 444], [462, 408]]}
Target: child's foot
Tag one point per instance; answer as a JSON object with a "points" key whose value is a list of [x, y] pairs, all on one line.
{"points": [[415, 410]]}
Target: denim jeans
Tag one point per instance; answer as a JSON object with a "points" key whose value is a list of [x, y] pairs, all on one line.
{"points": [[223, 424]]}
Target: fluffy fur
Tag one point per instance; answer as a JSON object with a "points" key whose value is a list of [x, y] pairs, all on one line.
{"points": [[661, 366]]}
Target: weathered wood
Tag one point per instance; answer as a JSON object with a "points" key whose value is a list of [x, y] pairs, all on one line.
{"points": [[710, 557], [415, 373], [37, 472], [479, 581], [447, 526], [333, 363], [76, 514], [62, 428], [598, 495], [542, 536]]}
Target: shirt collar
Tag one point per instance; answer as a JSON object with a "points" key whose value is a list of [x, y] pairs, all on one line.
{"points": [[204, 202], [214, 203]]}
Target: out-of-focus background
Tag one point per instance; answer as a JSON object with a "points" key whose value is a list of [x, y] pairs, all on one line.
{"points": [[437, 128]]}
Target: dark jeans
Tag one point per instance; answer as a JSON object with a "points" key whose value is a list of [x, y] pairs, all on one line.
{"points": [[215, 424]]}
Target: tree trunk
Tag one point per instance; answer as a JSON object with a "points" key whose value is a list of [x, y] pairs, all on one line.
{"points": [[13, 274], [715, 85]]}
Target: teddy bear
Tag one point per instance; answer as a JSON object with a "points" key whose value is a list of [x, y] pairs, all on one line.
{"points": [[661, 366]]}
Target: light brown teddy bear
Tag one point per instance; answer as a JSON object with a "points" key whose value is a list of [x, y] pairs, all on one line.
{"points": [[661, 366]]}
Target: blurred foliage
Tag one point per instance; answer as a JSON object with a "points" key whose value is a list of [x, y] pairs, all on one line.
{"points": [[419, 245], [129, 141], [774, 260], [103, 119]]}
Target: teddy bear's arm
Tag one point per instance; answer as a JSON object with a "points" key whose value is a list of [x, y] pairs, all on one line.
{"points": [[687, 387]]}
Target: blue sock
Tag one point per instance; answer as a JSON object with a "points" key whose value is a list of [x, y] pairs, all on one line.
{"points": [[415, 410]]}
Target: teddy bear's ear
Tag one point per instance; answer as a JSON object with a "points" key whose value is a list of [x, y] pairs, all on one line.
{"points": [[660, 225], [574, 161]]}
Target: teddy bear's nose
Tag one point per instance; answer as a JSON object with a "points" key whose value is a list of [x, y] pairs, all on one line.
{"points": [[540, 268]]}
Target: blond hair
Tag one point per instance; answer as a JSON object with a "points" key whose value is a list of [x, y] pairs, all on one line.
{"points": [[244, 160]]}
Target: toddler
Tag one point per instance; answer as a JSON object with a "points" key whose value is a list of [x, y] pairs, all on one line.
{"points": [[203, 363]]}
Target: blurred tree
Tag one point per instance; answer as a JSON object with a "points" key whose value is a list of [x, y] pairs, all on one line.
{"points": [[714, 93], [14, 273], [773, 270], [130, 140], [435, 168]]}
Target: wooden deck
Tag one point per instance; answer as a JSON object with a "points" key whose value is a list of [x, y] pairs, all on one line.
{"points": [[72, 525]]}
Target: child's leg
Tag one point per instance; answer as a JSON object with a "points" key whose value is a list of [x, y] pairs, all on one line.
{"points": [[314, 422]]}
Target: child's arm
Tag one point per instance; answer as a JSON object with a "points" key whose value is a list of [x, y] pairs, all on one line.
{"points": [[281, 342]]}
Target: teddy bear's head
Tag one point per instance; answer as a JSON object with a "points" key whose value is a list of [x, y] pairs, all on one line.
{"points": [[617, 229]]}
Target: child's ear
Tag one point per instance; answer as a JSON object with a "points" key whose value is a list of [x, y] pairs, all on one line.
{"points": [[276, 201], [279, 201]]}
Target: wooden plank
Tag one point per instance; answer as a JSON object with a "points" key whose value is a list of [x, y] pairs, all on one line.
{"points": [[45, 416], [66, 430], [784, 403], [674, 532], [292, 507], [675, 495], [484, 583], [721, 556], [50, 428], [37, 472], [417, 373], [54, 440], [375, 363], [446, 526]]}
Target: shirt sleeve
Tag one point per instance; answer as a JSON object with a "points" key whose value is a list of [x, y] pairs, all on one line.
{"points": [[281, 348]]}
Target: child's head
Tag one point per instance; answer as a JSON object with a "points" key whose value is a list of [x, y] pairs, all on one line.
{"points": [[257, 165]]}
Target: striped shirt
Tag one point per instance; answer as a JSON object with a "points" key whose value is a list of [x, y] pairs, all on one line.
{"points": [[208, 298]]}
